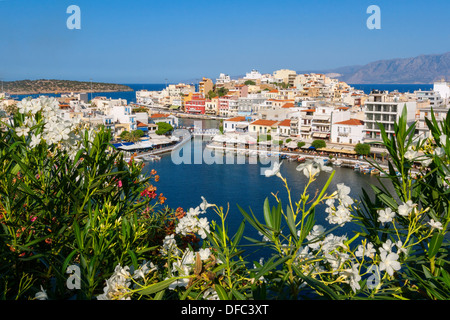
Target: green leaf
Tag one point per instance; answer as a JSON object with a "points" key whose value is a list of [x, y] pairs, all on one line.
{"points": [[133, 258], [291, 222], [267, 216], [317, 285], [221, 292], [238, 295], [157, 287], [238, 235], [254, 222], [270, 264], [435, 244]]}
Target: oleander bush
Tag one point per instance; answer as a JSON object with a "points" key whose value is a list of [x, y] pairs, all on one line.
{"points": [[78, 221]]}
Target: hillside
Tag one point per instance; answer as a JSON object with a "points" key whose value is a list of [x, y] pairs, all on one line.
{"points": [[59, 86], [420, 69]]}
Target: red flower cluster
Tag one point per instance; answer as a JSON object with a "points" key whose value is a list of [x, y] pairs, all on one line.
{"points": [[149, 192]]}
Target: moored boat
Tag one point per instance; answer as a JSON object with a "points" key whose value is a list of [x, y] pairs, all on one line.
{"points": [[337, 163]]}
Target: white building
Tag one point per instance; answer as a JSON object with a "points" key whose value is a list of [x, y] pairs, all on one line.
{"points": [[440, 114], [253, 75], [349, 132], [223, 78], [285, 75], [236, 124], [442, 87], [384, 108], [106, 105], [324, 116], [123, 115], [433, 97], [147, 98]]}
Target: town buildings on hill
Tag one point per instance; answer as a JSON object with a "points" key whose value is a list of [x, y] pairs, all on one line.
{"points": [[303, 107]]}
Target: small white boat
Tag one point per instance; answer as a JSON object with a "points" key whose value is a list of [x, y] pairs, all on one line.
{"points": [[151, 157], [337, 163]]}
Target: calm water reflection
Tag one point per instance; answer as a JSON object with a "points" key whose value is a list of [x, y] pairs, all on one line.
{"points": [[232, 184]]}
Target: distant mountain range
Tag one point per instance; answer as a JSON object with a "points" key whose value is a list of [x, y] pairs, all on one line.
{"points": [[423, 69]]}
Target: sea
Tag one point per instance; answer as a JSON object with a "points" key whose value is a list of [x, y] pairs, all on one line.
{"points": [[130, 96]]}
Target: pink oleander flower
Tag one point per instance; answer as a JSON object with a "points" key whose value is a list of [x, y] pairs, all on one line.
{"points": [[119, 183], [33, 219]]}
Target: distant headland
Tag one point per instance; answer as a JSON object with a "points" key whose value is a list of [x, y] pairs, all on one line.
{"points": [[43, 86]]}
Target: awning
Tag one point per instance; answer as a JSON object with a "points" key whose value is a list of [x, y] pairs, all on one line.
{"points": [[138, 145], [306, 128], [339, 150], [319, 135], [117, 145], [292, 145]]}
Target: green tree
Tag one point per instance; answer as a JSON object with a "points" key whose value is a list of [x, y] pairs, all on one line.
{"points": [[362, 149], [300, 144], [133, 136], [222, 91], [211, 94], [318, 144], [163, 128], [250, 83], [124, 134]]}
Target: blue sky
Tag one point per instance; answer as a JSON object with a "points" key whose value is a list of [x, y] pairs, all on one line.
{"points": [[146, 41]]}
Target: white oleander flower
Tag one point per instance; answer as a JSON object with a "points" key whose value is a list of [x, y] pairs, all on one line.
{"points": [[385, 215], [23, 106], [117, 286], [210, 294], [332, 242], [203, 228], [169, 246], [352, 277], [35, 141], [308, 168], [443, 139], [406, 208], [339, 216], [368, 251], [274, 171], [205, 205], [399, 245], [439, 152], [35, 106], [144, 269], [426, 161], [314, 235], [389, 262], [343, 194], [411, 154], [435, 224], [193, 212], [22, 131], [204, 253], [387, 246], [319, 162], [311, 168], [41, 295]]}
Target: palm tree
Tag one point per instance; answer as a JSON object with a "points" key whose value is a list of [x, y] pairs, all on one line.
{"points": [[132, 136]]}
